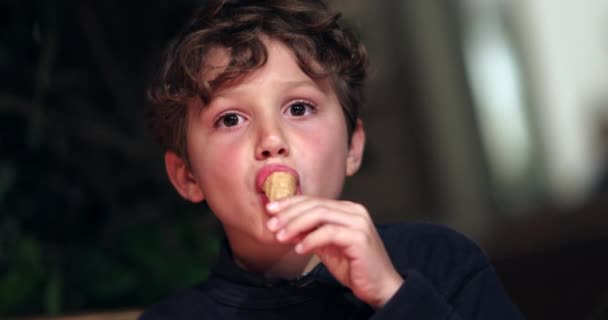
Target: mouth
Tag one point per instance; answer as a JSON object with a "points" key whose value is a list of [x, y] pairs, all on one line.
{"points": [[267, 171]]}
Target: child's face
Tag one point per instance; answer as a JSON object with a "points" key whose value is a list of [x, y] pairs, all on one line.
{"points": [[276, 115]]}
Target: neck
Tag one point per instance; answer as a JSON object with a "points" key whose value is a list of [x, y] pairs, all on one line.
{"points": [[278, 261]]}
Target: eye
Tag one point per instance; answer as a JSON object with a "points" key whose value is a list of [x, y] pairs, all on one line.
{"points": [[301, 108], [229, 119]]}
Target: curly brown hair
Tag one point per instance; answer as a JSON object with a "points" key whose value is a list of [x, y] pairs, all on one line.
{"points": [[322, 47]]}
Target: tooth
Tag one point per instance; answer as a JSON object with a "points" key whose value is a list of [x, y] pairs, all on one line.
{"points": [[279, 185]]}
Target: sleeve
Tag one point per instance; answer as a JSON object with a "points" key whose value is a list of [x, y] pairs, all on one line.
{"points": [[481, 298], [450, 278]]}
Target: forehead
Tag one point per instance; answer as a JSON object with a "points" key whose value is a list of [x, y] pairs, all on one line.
{"points": [[281, 67]]}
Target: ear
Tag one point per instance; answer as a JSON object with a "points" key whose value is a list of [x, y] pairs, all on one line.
{"points": [[182, 178], [355, 149]]}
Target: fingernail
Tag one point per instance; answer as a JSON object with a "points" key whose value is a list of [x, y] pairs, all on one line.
{"points": [[281, 235], [299, 248], [272, 206], [272, 224]]}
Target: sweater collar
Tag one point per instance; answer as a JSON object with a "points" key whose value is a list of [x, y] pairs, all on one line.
{"points": [[227, 269]]}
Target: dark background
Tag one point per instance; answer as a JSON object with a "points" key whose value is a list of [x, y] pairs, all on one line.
{"points": [[89, 222]]}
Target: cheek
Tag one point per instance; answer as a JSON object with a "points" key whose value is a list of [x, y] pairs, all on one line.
{"points": [[224, 157], [325, 156], [219, 164]]}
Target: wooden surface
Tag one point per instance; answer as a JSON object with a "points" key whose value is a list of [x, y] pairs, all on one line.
{"points": [[118, 315]]}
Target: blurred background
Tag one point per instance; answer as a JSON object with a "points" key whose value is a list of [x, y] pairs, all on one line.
{"points": [[490, 116]]}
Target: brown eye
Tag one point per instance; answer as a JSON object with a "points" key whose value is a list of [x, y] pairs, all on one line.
{"points": [[229, 120], [299, 109]]}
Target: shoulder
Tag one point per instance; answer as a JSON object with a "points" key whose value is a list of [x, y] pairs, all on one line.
{"points": [[185, 304], [429, 242], [444, 256], [425, 236]]}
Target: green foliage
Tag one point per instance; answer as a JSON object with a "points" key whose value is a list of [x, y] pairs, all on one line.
{"points": [[25, 275], [52, 293], [87, 217], [137, 266]]}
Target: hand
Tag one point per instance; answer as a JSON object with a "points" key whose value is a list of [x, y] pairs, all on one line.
{"points": [[343, 236]]}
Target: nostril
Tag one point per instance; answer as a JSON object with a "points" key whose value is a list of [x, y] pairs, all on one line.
{"points": [[266, 153], [281, 151]]}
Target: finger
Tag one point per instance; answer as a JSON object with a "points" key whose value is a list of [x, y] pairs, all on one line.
{"points": [[295, 208], [287, 212], [317, 216], [278, 205], [334, 235]]}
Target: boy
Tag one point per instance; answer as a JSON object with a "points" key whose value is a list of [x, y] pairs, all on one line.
{"points": [[252, 88]]}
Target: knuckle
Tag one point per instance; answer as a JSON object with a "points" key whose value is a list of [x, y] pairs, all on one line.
{"points": [[330, 229], [360, 222], [319, 210], [357, 207], [361, 238], [362, 209], [348, 203]]}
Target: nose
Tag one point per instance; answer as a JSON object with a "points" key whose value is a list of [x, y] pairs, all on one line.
{"points": [[271, 141]]}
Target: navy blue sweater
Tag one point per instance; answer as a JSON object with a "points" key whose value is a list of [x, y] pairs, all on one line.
{"points": [[446, 277]]}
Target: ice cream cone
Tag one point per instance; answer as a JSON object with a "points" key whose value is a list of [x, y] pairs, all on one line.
{"points": [[279, 185]]}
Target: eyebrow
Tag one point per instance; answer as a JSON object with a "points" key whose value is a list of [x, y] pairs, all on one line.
{"points": [[302, 83], [292, 84], [284, 85]]}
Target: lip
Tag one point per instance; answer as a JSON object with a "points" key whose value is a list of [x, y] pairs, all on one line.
{"points": [[271, 168]]}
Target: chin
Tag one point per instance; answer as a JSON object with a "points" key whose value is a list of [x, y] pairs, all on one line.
{"points": [[268, 238]]}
